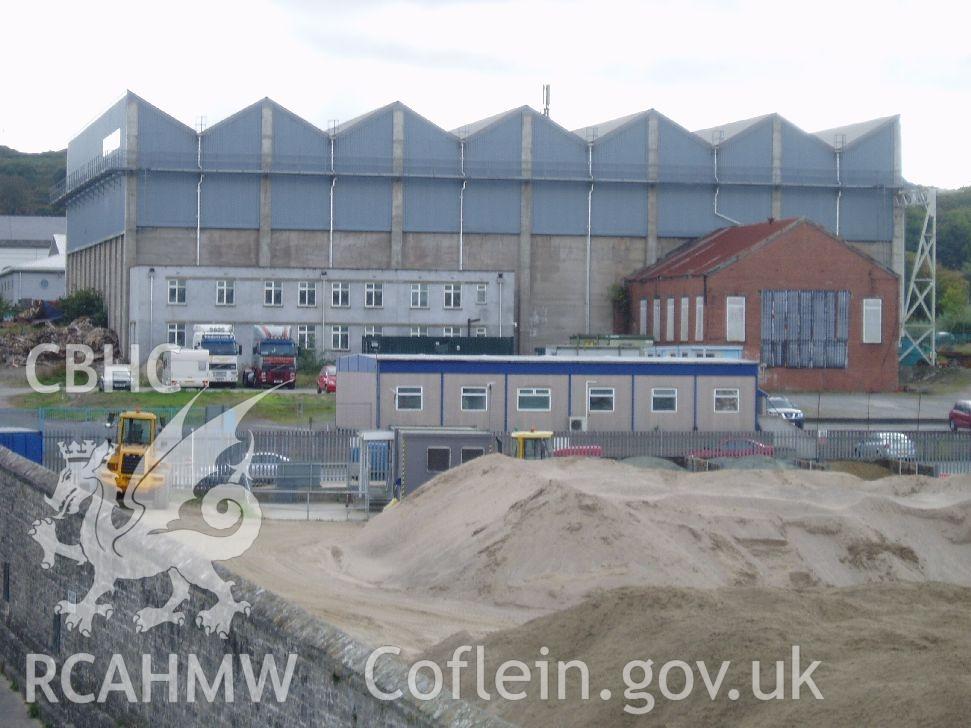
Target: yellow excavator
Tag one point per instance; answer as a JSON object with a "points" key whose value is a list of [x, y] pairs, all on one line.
{"points": [[533, 444], [136, 430]]}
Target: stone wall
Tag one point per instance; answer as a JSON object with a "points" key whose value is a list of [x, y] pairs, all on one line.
{"points": [[327, 688]]}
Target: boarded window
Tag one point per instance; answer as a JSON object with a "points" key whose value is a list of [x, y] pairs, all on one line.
{"points": [[438, 459], [685, 313], [805, 329], [471, 453], [872, 320], [656, 323], [699, 318], [735, 318], [669, 322], [642, 318]]}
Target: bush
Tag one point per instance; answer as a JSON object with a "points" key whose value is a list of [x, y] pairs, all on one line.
{"points": [[307, 361], [87, 302]]}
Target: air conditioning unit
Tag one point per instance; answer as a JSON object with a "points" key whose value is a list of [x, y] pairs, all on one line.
{"points": [[578, 424]]}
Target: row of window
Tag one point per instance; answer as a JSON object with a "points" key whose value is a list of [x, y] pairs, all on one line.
{"points": [[340, 294], [734, 319], [340, 334], [540, 399]]}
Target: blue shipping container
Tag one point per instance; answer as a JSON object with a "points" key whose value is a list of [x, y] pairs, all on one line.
{"points": [[24, 442]]}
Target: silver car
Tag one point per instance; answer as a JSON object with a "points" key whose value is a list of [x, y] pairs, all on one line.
{"points": [[264, 467], [886, 445], [781, 407]]}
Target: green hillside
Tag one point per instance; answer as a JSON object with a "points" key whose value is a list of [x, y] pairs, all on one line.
{"points": [[26, 180]]}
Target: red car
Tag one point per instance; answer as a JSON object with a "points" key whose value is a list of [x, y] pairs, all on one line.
{"points": [[734, 447], [327, 379], [960, 415]]}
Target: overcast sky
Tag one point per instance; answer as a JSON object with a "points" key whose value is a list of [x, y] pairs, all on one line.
{"points": [[702, 63]]}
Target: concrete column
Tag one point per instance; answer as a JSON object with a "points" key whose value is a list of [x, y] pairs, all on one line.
{"points": [[264, 255], [129, 242], [653, 157], [776, 167], [397, 187], [898, 245], [524, 278]]}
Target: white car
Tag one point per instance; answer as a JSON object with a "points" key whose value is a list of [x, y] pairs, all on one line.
{"points": [[781, 407], [264, 467], [115, 377], [886, 445]]}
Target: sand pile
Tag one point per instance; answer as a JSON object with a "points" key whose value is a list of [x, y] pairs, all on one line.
{"points": [[891, 654], [544, 535]]}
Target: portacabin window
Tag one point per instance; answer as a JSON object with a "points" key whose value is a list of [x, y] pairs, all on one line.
{"points": [[664, 399], [340, 294], [226, 292], [438, 459], [600, 399], [373, 295], [177, 291], [726, 401], [533, 399], [272, 293], [307, 293], [408, 399], [475, 399], [471, 453]]}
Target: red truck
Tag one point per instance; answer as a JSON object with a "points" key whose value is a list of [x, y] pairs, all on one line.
{"points": [[274, 357]]}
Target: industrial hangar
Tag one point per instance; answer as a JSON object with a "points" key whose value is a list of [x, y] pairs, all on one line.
{"points": [[570, 213]]}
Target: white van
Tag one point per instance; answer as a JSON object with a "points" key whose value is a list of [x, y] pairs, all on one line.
{"points": [[185, 368]]}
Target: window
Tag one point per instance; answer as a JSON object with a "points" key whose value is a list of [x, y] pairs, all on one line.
{"points": [[600, 399], [372, 330], [471, 453], [479, 331], [419, 331], [475, 399], [642, 317], [177, 291], [453, 295], [226, 293], [438, 459], [699, 318], [735, 318], [533, 399], [481, 294], [451, 331], [669, 321], [306, 337], [373, 295], [340, 338], [419, 295], [726, 401], [656, 323], [872, 320], [272, 293], [340, 295], [176, 334], [804, 329], [664, 399], [408, 399], [685, 312], [307, 293]]}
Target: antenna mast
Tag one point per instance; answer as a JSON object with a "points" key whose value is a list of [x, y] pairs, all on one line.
{"points": [[546, 99]]}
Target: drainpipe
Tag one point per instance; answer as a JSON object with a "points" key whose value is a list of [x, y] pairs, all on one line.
{"points": [[333, 182], [500, 304], [839, 190], [151, 306], [589, 218], [199, 199], [718, 214], [461, 222]]}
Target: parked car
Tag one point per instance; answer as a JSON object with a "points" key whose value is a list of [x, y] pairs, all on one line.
{"points": [[327, 379], [776, 404], [220, 475], [734, 447], [264, 467], [886, 445], [960, 415], [115, 377]]}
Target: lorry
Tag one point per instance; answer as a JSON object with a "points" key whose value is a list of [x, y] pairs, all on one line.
{"points": [[220, 341], [185, 368], [274, 357]]}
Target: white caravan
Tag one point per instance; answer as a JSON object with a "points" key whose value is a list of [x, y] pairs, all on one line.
{"points": [[185, 368]]}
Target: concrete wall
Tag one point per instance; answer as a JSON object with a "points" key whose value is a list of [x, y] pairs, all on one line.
{"points": [[151, 312], [327, 688]]}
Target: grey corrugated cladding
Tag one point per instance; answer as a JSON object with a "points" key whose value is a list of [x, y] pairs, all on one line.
{"points": [[557, 153], [365, 147], [861, 159], [560, 208], [622, 153], [745, 204], [866, 214], [429, 151], [816, 203], [496, 150], [492, 206], [87, 145], [362, 204], [619, 210], [234, 143], [805, 158], [298, 146], [230, 201], [682, 156], [684, 209], [167, 199], [300, 202], [31, 227], [747, 156], [163, 142], [97, 214], [431, 205]]}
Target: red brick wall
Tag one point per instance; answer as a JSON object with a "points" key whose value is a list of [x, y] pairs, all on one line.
{"points": [[803, 258]]}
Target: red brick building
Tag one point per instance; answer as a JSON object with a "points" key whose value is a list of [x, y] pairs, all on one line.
{"points": [[816, 313]]}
